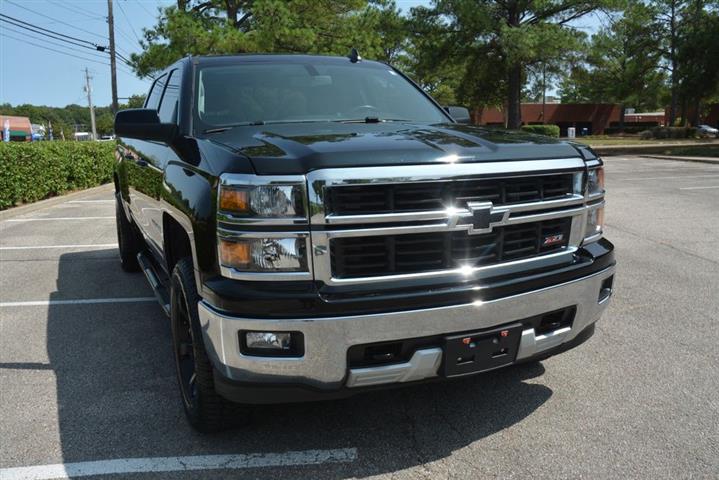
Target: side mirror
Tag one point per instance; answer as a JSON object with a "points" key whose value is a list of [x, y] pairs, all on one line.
{"points": [[143, 124], [460, 114]]}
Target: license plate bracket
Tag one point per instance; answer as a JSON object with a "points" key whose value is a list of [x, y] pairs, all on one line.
{"points": [[481, 351]]}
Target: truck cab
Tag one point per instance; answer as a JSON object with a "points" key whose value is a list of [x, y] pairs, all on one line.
{"points": [[317, 227]]}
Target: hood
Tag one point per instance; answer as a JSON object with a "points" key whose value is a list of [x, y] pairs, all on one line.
{"points": [[302, 147]]}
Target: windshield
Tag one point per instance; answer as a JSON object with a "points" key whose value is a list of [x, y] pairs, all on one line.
{"points": [[256, 93]]}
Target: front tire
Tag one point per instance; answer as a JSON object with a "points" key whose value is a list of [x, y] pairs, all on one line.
{"points": [[205, 409], [128, 240]]}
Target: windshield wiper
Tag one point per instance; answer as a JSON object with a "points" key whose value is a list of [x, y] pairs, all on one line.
{"points": [[229, 127], [372, 120]]}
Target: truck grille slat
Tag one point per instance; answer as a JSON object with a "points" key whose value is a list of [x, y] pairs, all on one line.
{"points": [[411, 253], [370, 199]]}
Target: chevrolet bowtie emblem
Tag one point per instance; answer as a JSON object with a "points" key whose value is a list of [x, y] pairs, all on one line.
{"points": [[480, 218]]}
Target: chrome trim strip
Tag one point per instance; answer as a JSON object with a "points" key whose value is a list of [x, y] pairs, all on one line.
{"points": [[223, 217], [230, 234], [423, 364], [230, 272], [449, 226], [532, 344], [574, 199]]}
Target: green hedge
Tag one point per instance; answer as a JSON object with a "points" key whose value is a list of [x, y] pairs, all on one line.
{"points": [[669, 132], [33, 171], [548, 130]]}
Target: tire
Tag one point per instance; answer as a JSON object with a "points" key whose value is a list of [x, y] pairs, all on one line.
{"points": [[128, 240], [205, 409]]}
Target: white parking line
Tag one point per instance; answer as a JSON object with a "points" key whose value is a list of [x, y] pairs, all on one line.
{"points": [[699, 188], [668, 177], [90, 201], [79, 301], [68, 247], [179, 464], [36, 219]]}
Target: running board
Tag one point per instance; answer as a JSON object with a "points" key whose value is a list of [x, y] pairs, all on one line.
{"points": [[161, 292]]}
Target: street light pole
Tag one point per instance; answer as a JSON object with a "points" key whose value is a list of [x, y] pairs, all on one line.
{"points": [[113, 66]]}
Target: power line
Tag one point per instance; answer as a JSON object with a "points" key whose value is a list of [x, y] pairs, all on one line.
{"points": [[30, 26], [95, 54], [139, 2], [76, 10], [52, 49], [54, 19], [37, 32], [124, 15]]}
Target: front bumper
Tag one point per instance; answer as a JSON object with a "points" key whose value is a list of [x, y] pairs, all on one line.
{"points": [[324, 365]]}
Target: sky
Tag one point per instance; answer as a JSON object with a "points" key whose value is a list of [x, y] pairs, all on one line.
{"points": [[41, 71]]}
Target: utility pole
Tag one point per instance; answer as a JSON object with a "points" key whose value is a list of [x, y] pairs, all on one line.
{"points": [[113, 66], [544, 94], [88, 89]]}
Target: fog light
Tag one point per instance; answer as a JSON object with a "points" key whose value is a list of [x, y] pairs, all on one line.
{"points": [[272, 344], [270, 340]]}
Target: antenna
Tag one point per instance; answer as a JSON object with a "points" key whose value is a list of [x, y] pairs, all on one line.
{"points": [[354, 56]]}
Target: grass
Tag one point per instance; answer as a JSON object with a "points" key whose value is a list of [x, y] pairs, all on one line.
{"points": [[605, 140], [695, 151]]}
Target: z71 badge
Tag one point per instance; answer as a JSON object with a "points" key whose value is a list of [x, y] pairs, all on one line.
{"points": [[552, 240]]}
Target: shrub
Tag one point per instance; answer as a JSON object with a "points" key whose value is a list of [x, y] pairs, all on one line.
{"points": [[33, 171], [548, 130], [646, 135], [674, 132], [627, 129]]}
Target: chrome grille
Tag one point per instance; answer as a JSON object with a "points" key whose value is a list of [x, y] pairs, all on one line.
{"points": [[421, 196], [448, 222], [355, 257]]}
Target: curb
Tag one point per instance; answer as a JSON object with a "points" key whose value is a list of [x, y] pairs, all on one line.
{"points": [[32, 207], [711, 161]]}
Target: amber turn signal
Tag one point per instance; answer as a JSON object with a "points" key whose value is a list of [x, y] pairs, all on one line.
{"points": [[600, 177], [235, 254], [234, 200]]}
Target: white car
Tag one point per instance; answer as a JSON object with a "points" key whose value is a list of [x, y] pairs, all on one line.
{"points": [[707, 131]]}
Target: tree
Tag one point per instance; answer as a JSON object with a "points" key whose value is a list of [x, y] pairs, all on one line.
{"points": [[496, 41], [250, 26], [622, 63], [697, 68]]}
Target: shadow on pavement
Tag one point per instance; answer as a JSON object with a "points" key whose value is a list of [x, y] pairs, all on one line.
{"points": [[117, 395]]}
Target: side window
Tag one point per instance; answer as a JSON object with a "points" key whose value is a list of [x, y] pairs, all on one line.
{"points": [[168, 106], [153, 99]]}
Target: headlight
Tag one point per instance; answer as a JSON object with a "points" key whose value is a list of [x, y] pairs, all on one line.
{"points": [[251, 211], [595, 182], [286, 254], [269, 201]]}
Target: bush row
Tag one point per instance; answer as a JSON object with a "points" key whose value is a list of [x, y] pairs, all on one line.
{"points": [[626, 129], [548, 130], [33, 171], [669, 132]]}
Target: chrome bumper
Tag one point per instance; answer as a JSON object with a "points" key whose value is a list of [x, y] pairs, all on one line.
{"points": [[327, 340]]}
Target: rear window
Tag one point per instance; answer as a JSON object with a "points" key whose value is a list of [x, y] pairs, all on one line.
{"points": [[297, 92]]}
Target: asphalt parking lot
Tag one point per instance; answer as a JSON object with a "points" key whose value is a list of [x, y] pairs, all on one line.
{"points": [[86, 371]]}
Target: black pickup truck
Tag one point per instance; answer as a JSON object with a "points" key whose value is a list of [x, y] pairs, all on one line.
{"points": [[316, 227]]}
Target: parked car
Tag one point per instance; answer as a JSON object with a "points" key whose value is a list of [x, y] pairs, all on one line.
{"points": [[316, 227], [707, 131]]}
